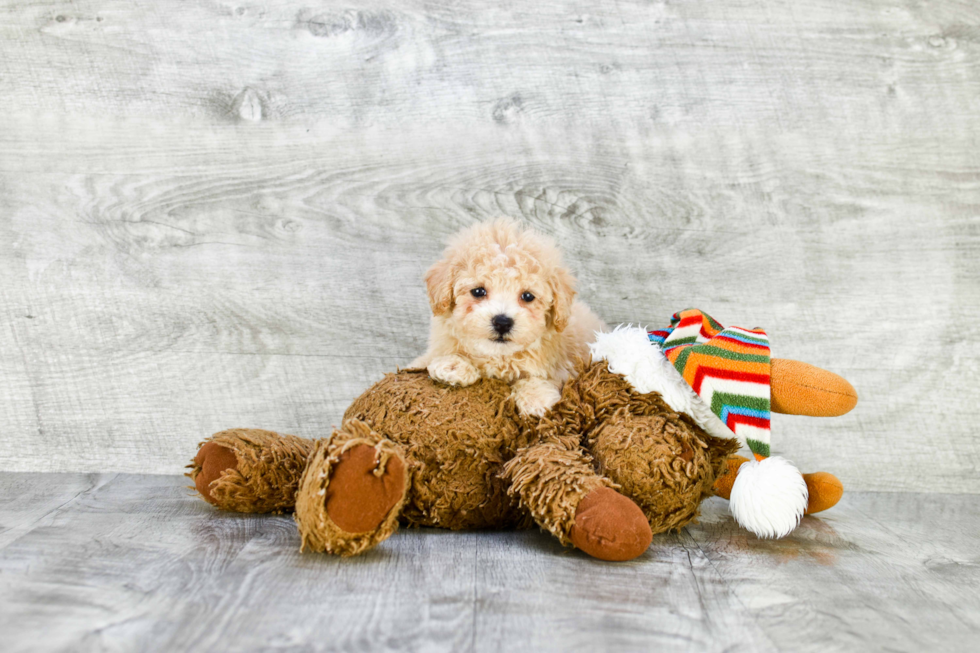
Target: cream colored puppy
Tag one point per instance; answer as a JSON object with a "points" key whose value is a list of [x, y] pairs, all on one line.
{"points": [[503, 307]]}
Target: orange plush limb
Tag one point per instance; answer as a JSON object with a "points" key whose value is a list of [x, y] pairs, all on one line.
{"points": [[803, 389], [824, 490], [725, 481]]}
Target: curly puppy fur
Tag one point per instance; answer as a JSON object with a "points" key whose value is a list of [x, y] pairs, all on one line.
{"points": [[503, 307]]}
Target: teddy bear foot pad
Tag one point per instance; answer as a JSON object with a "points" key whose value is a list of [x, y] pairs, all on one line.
{"points": [[358, 498], [213, 461], [609, 526]]}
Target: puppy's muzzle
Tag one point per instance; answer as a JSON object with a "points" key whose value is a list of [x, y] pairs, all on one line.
{"points": [[502, 324]]}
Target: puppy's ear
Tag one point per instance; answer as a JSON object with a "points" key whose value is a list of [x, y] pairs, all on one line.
{"points": [[563, 293], [439, 284]]}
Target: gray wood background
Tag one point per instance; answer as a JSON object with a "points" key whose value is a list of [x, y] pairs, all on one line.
{"points": [[216, 214]]}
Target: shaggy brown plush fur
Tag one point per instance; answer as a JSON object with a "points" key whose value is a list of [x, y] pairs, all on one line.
{"points": [[317, 527], [661, 459], [455, 440], [469, 460], [266, 477], [550, 481]]}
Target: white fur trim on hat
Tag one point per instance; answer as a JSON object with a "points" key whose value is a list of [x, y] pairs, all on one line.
{"points": [[769, 497], [629, 352]]}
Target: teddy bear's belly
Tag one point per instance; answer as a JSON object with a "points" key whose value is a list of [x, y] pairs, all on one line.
{"points": [[460, 494], [455, 440]]}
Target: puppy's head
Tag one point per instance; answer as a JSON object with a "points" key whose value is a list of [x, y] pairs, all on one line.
{"points": [[500, 288]]}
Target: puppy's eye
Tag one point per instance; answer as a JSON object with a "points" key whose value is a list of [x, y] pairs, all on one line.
{"points": [[479, 292], [527, 297]]}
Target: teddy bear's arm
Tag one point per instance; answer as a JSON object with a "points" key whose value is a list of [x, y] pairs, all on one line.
{"points": [[556, 482], [550, 480]]}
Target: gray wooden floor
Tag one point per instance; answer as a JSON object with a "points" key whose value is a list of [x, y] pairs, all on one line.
{"points": [[94, 562]]}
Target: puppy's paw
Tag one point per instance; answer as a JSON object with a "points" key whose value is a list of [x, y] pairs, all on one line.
{"points": [[453, 370], [535, 396]]}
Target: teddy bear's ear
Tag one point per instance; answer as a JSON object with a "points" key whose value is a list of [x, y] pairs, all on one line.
{"points": [[439, 284], [563, 292]]}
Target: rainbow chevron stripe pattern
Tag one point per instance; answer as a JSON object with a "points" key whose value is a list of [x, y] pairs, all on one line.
{"points": [[727, 367]]}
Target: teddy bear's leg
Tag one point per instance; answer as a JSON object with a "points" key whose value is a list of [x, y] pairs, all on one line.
{"points": [[661, 462], [565, 496], [824, 489], [250, 470], [352, 491]]}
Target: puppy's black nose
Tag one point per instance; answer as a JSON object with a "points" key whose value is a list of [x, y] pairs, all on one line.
{"points": [[502, 323]]}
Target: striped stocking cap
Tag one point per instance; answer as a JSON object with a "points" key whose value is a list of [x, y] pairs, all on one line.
{"points": [[727, 367], [720, 377]]}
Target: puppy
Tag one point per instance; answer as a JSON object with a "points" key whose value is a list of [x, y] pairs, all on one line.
{"points": [[503, 307]]}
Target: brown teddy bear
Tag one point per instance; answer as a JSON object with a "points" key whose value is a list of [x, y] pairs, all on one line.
{"points": [[607, 468]]}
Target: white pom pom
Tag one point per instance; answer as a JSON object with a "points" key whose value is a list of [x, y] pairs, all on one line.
{"points": [[768, 497]]}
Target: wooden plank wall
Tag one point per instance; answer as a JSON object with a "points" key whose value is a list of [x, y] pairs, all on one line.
{"points": [[217, 213]]}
